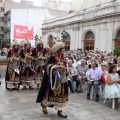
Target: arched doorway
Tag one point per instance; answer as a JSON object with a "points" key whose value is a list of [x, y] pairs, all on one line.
{"points": [[66, 38], [117, 40], [50, 41], [89, 41]]}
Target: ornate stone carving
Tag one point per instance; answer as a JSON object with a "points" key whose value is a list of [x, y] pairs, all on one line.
{"points": [[76, 28], [117, 8], [90, 15]]}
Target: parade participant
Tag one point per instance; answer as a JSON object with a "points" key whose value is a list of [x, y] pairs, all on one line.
{"points": [[27, 73], [38, 54], [54, 87], [47, 51], [12, 78]]}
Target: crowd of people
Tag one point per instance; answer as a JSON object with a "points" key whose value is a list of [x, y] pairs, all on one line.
{"points": [[94, 68], [29, 66]]}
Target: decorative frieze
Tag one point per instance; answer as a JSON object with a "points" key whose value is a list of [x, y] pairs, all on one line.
{"points": [[90, 15], [117, 8], [76, 28]]}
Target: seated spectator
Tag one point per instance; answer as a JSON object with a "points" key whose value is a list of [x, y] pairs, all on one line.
{"points": [[104, 73], [82, 69], [99, 62], [94, 79], [112, 88], [78, 61], [2, 52], [73, 76], [118, 67], [108, 65]]}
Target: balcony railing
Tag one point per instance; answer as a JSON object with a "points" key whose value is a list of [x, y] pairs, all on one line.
{"points": [[1, 24], [1, 32], [1, 14], [7, 29]]}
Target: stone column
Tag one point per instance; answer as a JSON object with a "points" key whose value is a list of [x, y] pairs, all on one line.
{"points": [[72, 40]]}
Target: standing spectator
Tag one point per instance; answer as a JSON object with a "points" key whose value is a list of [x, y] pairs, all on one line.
{"points": [[112, 88], [94, 79]]}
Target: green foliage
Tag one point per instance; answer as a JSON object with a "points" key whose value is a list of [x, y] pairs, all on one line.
{"points": [[4, 43], [117, 51]]}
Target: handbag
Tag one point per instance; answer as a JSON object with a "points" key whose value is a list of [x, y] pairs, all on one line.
{"points": [[103, 79]]}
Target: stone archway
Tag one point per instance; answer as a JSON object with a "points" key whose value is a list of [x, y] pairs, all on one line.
{"points": [[50, 41], [117, 38], [89, 41]]}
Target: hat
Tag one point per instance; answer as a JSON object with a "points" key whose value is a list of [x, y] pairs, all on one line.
{"points": [[27, 42], [57, 46], [38, 42], [14, 42], [47, 46]]}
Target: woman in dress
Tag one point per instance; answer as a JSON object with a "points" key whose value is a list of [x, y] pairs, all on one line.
{"points": [[112, 88], [12, 78]]}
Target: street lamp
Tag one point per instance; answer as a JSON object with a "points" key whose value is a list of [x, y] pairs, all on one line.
{"points": [[0, 43], [64, 35], [36, 37]]}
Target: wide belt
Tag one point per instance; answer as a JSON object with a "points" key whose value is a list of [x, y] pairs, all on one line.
{"points": [[27, 65]]}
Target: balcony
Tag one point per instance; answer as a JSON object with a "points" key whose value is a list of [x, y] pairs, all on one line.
{"points": [[1, 32], [8, 18], [7, 29], [1, 14], [1, 24], [1, 4]]}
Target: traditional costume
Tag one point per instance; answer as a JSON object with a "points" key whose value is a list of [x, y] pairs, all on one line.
{"points": [[39, 57], [27, 72], [47, 51], [12, 78], [54, 87]]}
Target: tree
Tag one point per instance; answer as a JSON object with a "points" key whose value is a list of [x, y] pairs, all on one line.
{"points": [[3, 43], [117, 51]]}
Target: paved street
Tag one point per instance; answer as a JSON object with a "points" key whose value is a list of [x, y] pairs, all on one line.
{"points": [[21, 105]]}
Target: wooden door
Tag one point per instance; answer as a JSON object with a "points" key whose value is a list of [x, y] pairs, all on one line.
{"points": [[88, 44], [117, 42]]}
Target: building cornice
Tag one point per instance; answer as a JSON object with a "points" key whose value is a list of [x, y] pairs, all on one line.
{"points": [[83, 15]]}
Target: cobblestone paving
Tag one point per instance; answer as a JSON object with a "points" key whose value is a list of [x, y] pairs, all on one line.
{"points": [[21, 105]]}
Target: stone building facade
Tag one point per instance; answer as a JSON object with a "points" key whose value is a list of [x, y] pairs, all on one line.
{"points": [[96, 26]]}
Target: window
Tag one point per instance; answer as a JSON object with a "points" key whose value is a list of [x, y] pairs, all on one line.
{"points": [[89, 35], [118, 34]]}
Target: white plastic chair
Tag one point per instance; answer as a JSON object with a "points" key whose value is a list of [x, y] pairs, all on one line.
{"points": [[92, 92], [113, 102]]}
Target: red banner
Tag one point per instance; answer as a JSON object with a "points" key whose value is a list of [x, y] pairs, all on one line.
{"points": [[23, 32]]}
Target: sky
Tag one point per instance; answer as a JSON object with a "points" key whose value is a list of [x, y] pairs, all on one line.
{"points": [[39, 2]]}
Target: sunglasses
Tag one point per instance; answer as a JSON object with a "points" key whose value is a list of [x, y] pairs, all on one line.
{"points": [[103, 65]]}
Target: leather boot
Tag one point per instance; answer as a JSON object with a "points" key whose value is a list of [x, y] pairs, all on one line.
{"points": [[60, 114], [31, 88], [44, 109], [24, 88]]}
